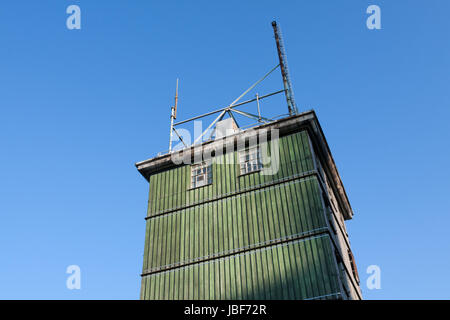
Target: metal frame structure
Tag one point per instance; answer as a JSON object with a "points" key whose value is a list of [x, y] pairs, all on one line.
{"points": [[231, 108]]}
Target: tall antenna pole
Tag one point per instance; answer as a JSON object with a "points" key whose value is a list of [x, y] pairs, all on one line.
{"points": [[173, 116], [284, 69], [176, 100]]}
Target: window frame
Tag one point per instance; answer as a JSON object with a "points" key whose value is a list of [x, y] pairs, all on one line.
{"points": [[208, 175], [246, 152]]}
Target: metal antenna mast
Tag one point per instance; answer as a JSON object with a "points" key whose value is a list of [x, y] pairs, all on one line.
{"points": [[173, 116], [231, 109], [284, 69], [176, 101]]}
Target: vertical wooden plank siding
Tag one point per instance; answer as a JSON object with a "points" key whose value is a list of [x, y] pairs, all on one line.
{"points": [[216, 279], [171, 189], [214, 222], [242, 237]]}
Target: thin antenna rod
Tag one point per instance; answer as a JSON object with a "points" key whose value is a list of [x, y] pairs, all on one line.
{"points": [[173, 116], [284, 69], [176, 100], [259, 110]]}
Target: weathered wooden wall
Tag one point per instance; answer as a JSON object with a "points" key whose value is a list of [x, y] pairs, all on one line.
{"points": [[300, 269], [243, 237], [171, 189]]}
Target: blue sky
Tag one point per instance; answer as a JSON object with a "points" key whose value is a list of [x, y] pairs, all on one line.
{"points": [[79, 107]]}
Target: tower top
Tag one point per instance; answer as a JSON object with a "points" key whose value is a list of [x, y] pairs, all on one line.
{"points": [[231, 110]]}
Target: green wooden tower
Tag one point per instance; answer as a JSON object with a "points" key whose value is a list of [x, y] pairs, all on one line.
{"points": [[248, 214], [222, 228]]}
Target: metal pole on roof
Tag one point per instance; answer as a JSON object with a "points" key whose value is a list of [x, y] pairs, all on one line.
{"points": [[257, 104], [172, 113], [284, 69], [173, 116], [176, 101]]}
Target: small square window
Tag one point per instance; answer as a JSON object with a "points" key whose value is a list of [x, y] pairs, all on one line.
{"points": [[250, 160], [201, 175]]}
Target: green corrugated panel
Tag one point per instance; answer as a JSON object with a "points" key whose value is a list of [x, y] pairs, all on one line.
{"points": [[171, 189], [231, 225], [301, 269], [234, 223]]}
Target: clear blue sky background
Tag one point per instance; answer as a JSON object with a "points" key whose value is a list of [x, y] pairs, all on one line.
{"points": [[79, 108]]}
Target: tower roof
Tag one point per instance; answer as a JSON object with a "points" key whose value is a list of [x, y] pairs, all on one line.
{"points": [[304, 121]]}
